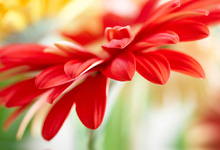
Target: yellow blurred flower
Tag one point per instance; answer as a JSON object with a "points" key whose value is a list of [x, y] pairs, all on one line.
{"points": [[16, 15]]}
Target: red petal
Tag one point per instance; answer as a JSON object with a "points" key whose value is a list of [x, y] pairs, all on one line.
{"points": [[11, 71], [164, 9], [83, 37], [117, 32], [20, 93], [74, 50], [121, 68], [51, 77], [158, 39], [182, 15], [153, 66], [183, 63], [13, 116], [117, 44], [57, 91], [75, 68], [28, 54], [212, 18], [163, 38], [189, 30], [195, 4], [110, 19], [114, 47], [174, 22], [147, 10], [91, 100], [58, 114]]}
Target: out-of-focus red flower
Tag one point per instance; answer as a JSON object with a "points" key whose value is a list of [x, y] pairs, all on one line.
{"points": [[206, 124], [72, 75]]}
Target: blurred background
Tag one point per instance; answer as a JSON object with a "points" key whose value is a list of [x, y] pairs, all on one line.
{"points": [[183, 114]]}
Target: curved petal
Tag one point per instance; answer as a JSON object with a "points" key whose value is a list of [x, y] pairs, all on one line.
{"points": [[146, 11], [163, 38], [114, 47], [21, 93], [28, 54], [58, 114], [74, 50], [57, 91], [75, 68], [183, 63], [179, 23], [8, 72], [51, 77], [153, 66], [34, 108], [164, 9], [159, 39], [91, 100], [189, 30], [13, 116], [182, 15], [111, 19], [121, 68], [117, 44], [212, 18], [83, 37], [117, 32], [195, 4]]}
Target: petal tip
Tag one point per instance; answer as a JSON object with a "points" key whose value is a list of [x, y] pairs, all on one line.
{"points": [[162, 81], [177, 3], [38, 84], [47, 138], [203, 76]]}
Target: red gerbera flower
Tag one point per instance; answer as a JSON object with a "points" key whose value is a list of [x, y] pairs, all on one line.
{"points": [[72, 75]]}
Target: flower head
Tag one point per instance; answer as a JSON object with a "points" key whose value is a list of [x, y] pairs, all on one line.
{"points": [[72, 75]]}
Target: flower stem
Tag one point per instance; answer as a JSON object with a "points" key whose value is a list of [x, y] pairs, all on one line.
{"points": [[91, 140]]}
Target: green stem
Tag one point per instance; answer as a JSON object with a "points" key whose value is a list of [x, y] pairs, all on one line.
{"points": [[91, 140]]}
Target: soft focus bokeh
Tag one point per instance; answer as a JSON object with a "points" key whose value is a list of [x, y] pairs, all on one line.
{"points": [[183, 114]]}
